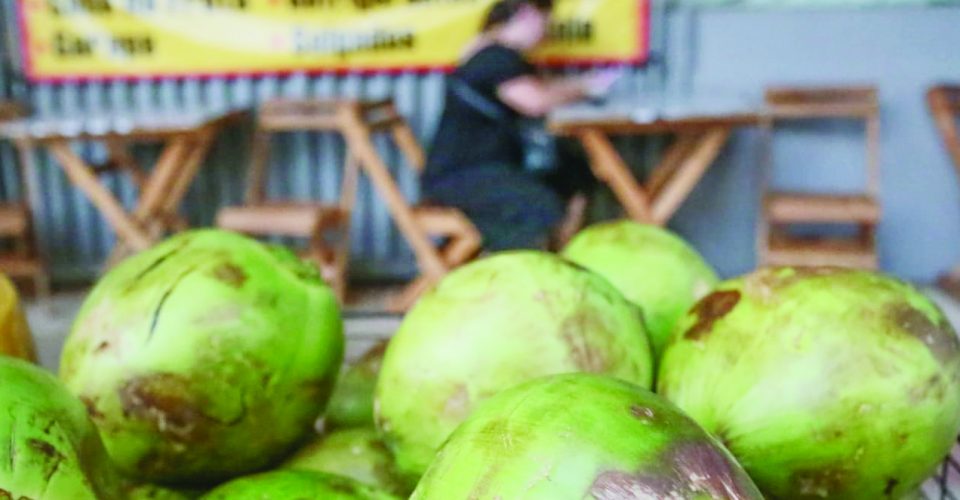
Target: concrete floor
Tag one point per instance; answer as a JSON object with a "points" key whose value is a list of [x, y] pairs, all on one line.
{"points": [[51, 322]]}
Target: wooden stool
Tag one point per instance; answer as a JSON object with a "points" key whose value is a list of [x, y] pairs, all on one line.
{"points": [[944, 104], [16, 224], [441, 237], [781, 210], [325, 227]]}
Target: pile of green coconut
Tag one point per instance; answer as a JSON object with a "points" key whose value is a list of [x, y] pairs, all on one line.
{"points": [[211, 366]]}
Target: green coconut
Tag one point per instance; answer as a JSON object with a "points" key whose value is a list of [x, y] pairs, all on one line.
{"points": [[493, 324], [205, 357], [351, 404], [581, 436], [824, 383], [355, 453], [296, 484], [49, 449], [648, 264]]}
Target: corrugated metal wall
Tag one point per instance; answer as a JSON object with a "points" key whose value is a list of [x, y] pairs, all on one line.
{"points": [[305, 166]]}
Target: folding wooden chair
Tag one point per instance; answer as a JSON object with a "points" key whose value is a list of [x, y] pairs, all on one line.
{"points": [[783, 209], [326, 227], [944, 104], [442, 238], [16, 224]]}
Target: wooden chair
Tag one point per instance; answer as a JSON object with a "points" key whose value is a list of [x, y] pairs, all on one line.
{"points": [[944, 104], [781, 210], [16, 225], [441, 238], [326, 227]]}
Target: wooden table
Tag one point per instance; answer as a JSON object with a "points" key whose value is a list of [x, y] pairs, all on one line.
{"points": [[701, 125], [186, 137]]}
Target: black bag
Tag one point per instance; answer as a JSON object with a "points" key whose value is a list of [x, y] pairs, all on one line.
{"points": [[539, 145]]}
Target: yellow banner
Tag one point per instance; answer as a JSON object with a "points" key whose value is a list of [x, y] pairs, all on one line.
{"points": [[119, 38]]}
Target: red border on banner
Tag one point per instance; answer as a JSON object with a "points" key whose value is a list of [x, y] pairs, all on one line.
{"points": [[643, 53]]}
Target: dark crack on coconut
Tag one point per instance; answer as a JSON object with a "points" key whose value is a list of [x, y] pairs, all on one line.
{"points": [[163, 300], [940, 339], [44, 448], [156, 264], [710, 309], [230, 274], [51, 457]]}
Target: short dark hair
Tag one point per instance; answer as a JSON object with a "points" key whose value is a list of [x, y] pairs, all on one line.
{"points": [[504, 10]]}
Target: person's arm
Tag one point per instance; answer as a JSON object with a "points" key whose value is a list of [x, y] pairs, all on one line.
{"points": [[531, 96]]}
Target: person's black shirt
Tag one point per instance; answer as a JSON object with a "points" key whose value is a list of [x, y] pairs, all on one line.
{"points": [[465, 137]]}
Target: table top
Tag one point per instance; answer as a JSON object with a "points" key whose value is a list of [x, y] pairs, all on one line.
{"points": [[648, 114], [141, 125]]}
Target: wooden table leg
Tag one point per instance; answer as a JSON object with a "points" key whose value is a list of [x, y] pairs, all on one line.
{"points": [[124, 159], [155, 191], [82, 176], [609, 167], [681, 148], [688, 173], [198, 150]]}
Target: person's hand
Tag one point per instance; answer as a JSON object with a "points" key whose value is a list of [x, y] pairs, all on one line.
{"points": [[597, 84]]}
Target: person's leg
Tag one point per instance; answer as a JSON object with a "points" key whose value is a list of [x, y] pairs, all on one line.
{"points": [[511, 209], [572, 174]]}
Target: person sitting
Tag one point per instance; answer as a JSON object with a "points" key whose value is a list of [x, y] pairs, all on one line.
{"points": [[476, 161]]}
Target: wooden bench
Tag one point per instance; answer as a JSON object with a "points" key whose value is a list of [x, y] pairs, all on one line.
{"points": [[776, 246]]}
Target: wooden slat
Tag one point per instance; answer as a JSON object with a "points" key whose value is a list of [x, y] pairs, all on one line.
{"points": [[384, 123], [824, 95], [853, 252], [10, 110], [286, 219], [21, 267], [823, 111], [440, 221], [298, 123], [822, 102], [787, 208], [944, 103], [627, 126], [14, 220]]}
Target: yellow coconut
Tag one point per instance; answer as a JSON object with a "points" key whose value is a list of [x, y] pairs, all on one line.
{"points": [[15, 338]]}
